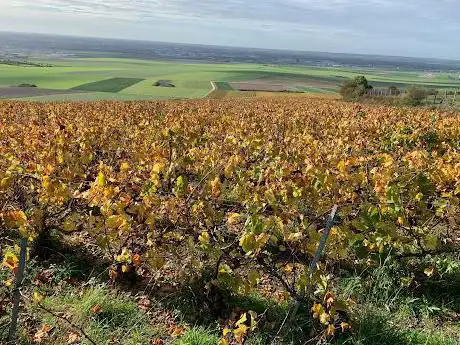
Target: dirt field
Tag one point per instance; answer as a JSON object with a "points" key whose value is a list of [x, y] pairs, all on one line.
{"points": [[18, 92], [261, 85], [284, 94], [281, 84]]}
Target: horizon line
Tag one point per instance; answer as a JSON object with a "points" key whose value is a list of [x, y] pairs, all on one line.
{"points": [[231, 46]]}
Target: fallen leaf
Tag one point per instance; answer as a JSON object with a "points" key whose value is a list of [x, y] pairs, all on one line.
{"points": [[144, 304], [73, 338], [136, 259], [175, 331], [44, 277], [38, 297], [96, 309], [42, 333]]}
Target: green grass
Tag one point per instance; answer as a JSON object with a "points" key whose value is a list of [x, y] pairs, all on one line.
{"points": [[108, 85], [374, 326], [385, 312], [198, 336], [222, 85], [119, 317]]}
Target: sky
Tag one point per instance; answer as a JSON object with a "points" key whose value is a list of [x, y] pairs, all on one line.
{"points": [[419, 28]]}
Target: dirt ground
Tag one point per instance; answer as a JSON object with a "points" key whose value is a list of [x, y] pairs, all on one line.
{"points": [[18, 92], [278, 85], [260, 85]]}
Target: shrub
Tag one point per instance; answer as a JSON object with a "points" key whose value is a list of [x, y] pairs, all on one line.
{"points": [[416, 95], [27, 85], [353, 89]]}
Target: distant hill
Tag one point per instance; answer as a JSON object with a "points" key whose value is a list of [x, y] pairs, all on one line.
{"points": [[17, 45]]}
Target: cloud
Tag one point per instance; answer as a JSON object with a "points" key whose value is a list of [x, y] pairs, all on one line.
{"points": [[362, 25], [260, 10], [356, 15]]}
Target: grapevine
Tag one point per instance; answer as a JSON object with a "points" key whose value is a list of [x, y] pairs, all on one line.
{"points": [[242, 187]]}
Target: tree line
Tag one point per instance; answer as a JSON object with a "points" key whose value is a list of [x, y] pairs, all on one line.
{"points": [[358, 88]]}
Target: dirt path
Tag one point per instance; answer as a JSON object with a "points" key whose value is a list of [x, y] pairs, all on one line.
{"points": [[214, 88]]}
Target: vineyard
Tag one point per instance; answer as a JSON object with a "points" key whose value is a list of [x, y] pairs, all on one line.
{"points": [[224, 200]]}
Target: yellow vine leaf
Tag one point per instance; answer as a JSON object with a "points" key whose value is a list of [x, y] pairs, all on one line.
{"points": [[317, 310], [204, 238], [100, 179], [429, 271], [38, 297], [330, 330], [11, 261], [324, 318], [15, 219], [233, 218], [124, 167], [223, 341], [216, 187]]}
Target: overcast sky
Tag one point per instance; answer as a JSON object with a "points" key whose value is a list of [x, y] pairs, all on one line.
{"points": [[425, 28]]}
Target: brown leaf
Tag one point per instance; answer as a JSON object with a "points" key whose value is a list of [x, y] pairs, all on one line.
{"points": [[113, 273], [144, 304], [157, 341], [43, 277], [42, 333], [136, 259], [73, 338], [175, 331], [96, 309]]}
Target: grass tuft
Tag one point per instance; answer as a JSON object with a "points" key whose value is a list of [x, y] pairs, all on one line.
{"points": [[198, 336], [117, 317]]}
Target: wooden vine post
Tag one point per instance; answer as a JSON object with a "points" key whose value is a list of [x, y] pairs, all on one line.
{"points": [[322, 243], [17, 292], [318, 254]]}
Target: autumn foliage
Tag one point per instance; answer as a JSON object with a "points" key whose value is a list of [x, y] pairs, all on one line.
{"points": [[240, 187]]}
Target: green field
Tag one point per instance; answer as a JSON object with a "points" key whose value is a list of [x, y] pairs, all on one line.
{"points": [[108, 85], [116, 78], [223, 85]]}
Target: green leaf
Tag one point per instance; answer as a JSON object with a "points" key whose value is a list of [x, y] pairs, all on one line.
{"points": [[431, 241], [387, 229], [406, 281], [180, 183], [181, 186], [248, 242]]}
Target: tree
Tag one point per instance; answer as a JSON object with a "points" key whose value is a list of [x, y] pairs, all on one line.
{"points": [[353, 89], [416, 95]]}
